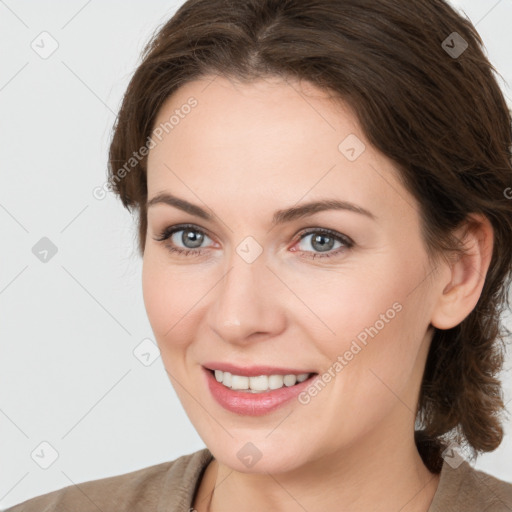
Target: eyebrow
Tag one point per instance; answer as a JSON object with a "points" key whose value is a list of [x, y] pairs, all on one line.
{"points": [[280, 216]]}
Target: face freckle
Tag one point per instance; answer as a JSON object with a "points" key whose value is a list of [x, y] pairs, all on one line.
{"points": [[243, 153]]}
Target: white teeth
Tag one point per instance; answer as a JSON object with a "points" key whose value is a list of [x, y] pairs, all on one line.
{"points": [[258, 384], [226, 379], [239, 382], [289, 380], [275, 381]]}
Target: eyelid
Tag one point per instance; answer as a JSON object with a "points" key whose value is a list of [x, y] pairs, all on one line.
{"points": [[168, 231], [335, 234], [345, 240], [301, 234]]}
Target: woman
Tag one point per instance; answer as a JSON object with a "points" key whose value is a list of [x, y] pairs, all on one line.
{"points": [[323, 199]]}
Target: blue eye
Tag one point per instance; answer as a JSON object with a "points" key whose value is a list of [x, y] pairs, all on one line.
{"points": [[323, 241], [191, 238]]}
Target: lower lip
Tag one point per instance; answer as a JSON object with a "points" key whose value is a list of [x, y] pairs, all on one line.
{"points": [[253, 404]]}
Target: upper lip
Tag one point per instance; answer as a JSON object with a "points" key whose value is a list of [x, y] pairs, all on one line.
{"points": [[253, 371]]}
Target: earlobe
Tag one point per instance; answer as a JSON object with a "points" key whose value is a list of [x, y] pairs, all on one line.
{"points": [[466, 274]]}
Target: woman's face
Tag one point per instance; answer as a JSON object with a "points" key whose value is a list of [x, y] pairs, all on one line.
{"points": [[352, 305]]}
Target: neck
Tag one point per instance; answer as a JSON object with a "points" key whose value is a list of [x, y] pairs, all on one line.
{"points": [[380, 475]]}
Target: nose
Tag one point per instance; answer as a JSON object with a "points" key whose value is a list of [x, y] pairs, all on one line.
{"points": [[246, 305]]}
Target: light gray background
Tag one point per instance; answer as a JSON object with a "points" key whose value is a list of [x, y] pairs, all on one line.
{"points": [[68, 327]]}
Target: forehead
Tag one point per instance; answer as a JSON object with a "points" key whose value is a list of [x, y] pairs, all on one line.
{"points": [[246, 118], [268, 138]]}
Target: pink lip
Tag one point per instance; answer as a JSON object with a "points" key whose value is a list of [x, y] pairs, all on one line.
{"points": [[254, 371], [254, 404]]}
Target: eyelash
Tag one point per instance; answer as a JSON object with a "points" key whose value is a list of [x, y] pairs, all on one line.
{"points": [[169, 231]]}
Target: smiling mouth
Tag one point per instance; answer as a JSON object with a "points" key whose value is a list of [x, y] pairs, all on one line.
{"points": [[259, 383]]}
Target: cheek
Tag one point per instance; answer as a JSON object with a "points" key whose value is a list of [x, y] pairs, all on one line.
{"points": [[378, 323], [175, 298], [165, 298], [156, 300], [354, 304]]}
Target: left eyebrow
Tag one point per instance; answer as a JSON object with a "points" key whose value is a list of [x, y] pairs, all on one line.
{"points": [[279, 217], [297, 212]]}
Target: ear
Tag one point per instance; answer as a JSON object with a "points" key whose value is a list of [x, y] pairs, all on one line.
{"points": [[460, 291]]}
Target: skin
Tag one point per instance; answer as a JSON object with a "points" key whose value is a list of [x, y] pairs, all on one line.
{"points": [[245, 151]]}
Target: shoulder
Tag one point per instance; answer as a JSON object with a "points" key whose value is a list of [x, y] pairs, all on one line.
{"points": [[464, 488], [154, 488]]}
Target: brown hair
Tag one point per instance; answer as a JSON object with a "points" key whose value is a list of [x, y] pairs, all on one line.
{"points": [[441, 117]]}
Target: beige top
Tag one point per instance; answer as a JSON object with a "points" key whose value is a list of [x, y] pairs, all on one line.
{"points": [[171, 486]]}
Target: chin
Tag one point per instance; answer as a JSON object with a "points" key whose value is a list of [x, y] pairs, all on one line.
{"points": [[259, 457]]}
